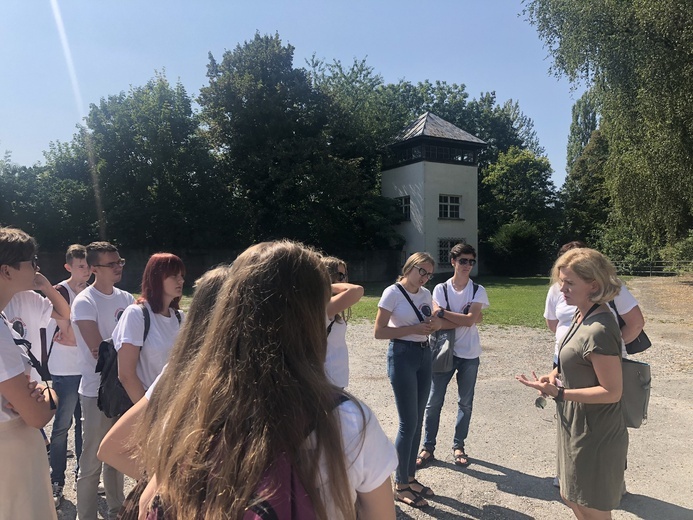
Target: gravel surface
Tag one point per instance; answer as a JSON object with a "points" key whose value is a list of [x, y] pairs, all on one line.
{"points": [[512, 443]]}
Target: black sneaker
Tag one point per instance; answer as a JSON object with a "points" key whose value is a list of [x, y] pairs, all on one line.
{"points": [[57, 494]]}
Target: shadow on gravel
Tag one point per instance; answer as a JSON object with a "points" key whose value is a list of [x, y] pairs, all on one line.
{"points": [[510, 480], [457, 509], [647, 507]]}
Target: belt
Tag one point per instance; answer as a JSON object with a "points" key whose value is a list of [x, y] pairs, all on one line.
{"points": [[420, 344]]}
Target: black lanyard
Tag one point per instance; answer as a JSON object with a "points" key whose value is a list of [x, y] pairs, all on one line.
{"points": [[574, 326]]}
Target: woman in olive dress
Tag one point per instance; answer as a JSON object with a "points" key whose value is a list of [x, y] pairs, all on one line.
{"points": [[587, 386]]}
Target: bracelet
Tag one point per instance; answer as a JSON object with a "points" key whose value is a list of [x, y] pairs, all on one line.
{"points": [[559, 395]]}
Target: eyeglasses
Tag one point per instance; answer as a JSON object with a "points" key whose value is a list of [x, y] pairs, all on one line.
{"points": [[341, 276], [423, 272], [465, 261], [112, 265]]}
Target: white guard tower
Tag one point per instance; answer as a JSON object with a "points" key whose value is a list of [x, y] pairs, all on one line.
{"points": [[433, 172]]}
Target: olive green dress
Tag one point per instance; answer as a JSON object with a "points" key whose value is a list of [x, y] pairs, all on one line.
{"points": [[592, 438]]}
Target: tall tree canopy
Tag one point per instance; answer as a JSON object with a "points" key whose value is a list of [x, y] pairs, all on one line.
{"points": [[638, 56]]}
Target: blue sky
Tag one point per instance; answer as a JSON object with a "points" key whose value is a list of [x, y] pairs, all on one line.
{"points": [[484, 44]]}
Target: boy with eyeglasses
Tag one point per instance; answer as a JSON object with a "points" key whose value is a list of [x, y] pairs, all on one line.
{"points": [[458, 303], [95, 313], [64, 368]]}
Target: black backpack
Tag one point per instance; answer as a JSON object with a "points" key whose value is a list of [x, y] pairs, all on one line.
{"points": [[113, 400]]}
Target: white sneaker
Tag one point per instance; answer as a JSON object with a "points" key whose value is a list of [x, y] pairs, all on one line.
{"points": [[101, 490], [69, 454], [57, 494], [556, 482]]}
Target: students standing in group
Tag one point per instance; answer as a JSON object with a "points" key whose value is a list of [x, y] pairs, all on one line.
{"points": [[25, 486], [465, 301], [405, 318], [587, 387], [64, 369], [344, 295], [95, 313], [140, 361]]}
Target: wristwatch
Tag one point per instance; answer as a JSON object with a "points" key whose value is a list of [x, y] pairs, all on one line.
{"points": [[441, 313], [559, 395]]}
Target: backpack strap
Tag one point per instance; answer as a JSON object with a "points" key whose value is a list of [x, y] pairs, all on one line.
{"points": [[41, 369], [417, 311], [445, 291], [621, 321], [147, 322], [176, 312], [329, 327], [66, 295], [476, 288]]}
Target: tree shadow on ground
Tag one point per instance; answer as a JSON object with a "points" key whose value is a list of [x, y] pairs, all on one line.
{"points": [[509, 480], [457, 509], [647, 507]]}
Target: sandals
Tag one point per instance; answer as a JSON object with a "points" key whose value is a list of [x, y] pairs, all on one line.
{"points": [[425, 491], [461, 458], [422, 460], [413, 499]]}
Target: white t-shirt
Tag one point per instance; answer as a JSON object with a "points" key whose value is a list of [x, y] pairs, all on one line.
{"points": [[467, 343], [402, 313], [105, 310], [63, 359], [337, 358], [28, 312], [557, 309], [13, 361], [369, 463], [160, 338]]}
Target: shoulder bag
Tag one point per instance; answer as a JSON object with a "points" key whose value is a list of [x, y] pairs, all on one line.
{"points": [[639, 344]]}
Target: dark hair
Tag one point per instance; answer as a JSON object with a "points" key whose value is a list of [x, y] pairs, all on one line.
{"points": [[571, 245], [159, 267], [96, 248], [462, 249], [16, 246], [75, 251]]}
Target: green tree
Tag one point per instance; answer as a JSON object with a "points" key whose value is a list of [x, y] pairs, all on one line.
{"points": [[586, 198], [153, 167], [288, 151], [637, 57], [520, 189], [581, 127]]}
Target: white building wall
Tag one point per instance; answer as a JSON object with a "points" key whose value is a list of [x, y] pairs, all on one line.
{"points": [[423, 182]]}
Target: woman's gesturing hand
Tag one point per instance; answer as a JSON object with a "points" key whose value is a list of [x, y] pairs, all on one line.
{"points": [[544, 384]]}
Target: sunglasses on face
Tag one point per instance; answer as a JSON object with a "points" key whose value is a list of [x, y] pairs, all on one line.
{"points": [[465, 261], [112, 265], [34, 263], [341, 276], [423, 272]]}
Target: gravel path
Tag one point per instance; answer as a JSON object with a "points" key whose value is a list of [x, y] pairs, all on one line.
{"points": [[512, 443]]}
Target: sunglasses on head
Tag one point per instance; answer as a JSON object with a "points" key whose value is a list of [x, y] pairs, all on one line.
{"points": [[465, 261]]}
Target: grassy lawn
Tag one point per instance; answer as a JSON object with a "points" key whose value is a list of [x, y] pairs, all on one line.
{"points": [[513, 301]]}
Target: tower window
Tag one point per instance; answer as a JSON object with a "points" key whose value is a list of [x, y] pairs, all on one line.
{"points": [[449, 206], [405, 205]]}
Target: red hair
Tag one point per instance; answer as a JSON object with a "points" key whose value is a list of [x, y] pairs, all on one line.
{"points": [[159, 267]]}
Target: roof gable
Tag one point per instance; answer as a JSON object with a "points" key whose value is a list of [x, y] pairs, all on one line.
{"points": [[430, 125]]}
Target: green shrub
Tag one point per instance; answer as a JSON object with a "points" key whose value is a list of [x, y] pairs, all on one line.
{"points": [[517, 249]]}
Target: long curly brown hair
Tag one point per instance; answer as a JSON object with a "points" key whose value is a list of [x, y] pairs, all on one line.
{"points": [[257, 385]]}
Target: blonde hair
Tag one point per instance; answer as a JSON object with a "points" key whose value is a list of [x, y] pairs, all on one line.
{"points": [[591, 266], [332, 264], [254, 390], [415, 259]]}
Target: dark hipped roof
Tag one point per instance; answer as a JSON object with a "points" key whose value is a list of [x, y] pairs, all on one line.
{"points": [[430, 125]]}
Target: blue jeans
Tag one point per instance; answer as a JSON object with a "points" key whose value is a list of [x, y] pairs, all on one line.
{"points": [[68, 406], [409, 370], [467, 370]]}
